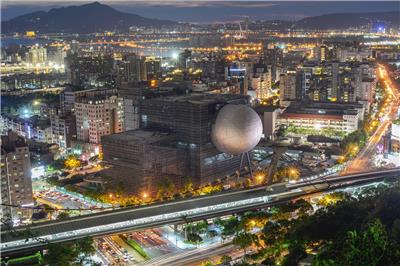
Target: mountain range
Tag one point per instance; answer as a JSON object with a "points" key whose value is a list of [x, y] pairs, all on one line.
{"points": [[346, 20], [88, 18], [96, 17]]}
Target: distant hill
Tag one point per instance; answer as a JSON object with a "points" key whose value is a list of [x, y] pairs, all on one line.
{"points": [[346, 20], [88, 18], [96, 17]]}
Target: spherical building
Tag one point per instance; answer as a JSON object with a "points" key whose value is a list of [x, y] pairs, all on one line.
{"points": [[237, 129]]}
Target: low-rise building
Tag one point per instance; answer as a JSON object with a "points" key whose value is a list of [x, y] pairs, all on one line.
{"points": [[343, 118]]}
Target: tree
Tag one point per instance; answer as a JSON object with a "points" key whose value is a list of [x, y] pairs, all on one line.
{"points": [[247, 183], [188, 186], [194, 237], [230, 226], [120, 189], [225, 259], [76, 253], [72, 162], [332, 198], [86, 248], [296, 252], [201, 227], [288, 172], [303, 207], [63, 216], [245, 240], [59, 254], [166, 188], [369, 246]]}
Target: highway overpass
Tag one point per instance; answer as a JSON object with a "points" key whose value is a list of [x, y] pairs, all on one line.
{"points": [[14, 241]]}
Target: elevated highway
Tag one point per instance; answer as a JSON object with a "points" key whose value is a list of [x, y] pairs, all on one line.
{"points": [[14, 241]]}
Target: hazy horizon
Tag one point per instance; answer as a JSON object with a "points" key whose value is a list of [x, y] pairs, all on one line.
{"points": [[212, 11]]}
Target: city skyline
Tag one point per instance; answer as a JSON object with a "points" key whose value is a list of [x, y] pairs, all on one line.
{"points": [[212, 11], [200, 133]]}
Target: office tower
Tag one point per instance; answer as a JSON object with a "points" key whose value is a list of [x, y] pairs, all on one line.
{"points": [[16, 184]]}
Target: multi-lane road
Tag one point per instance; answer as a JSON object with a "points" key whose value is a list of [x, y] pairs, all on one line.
{"points": [[364, 158]]}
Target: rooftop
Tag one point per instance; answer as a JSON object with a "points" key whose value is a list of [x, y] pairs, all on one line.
{"points": [[323, 109], [138, 136], [11, 141], [204, 98]]}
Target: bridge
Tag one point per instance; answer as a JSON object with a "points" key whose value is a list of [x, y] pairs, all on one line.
{"points": [[15, 241]]}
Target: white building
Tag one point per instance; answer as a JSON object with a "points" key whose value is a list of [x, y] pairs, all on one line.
{"points": [[346, 122], [262, 84], [353, 54], [98, 116], [36, 55]]}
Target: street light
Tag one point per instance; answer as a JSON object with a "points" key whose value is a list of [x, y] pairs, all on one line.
{"points": [[259, 177]]}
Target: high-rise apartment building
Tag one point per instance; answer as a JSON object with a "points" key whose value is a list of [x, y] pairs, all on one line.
{"points": [[89, 69], [184, 59], [262, 81], [273, 57], [36, 55], [287, 87], [16, 184], [153, 67], [133, 68], [98, 114], [321, 52], [63, 130]]}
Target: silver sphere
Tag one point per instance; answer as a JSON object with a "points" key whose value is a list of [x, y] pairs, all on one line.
{"points": [[237, 129]]}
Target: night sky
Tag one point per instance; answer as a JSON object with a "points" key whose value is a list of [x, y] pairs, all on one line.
{"points": [[207, 11]]}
